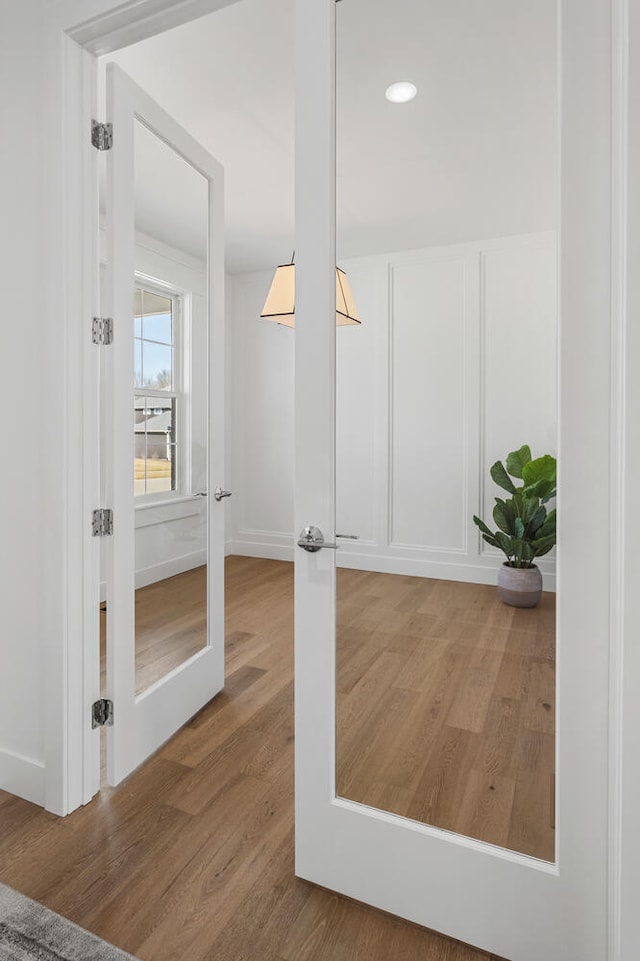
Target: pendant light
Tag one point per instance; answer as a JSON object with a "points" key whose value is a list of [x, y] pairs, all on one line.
{"points": [[281, 299]]}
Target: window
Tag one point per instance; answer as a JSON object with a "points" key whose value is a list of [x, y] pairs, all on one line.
{"points": [[157, 396]]}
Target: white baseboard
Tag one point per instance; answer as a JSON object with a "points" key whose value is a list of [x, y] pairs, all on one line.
{"points": [[177, 565], [440, 570], [271, 545], [22, 776], [280, 547], [159, 572]]}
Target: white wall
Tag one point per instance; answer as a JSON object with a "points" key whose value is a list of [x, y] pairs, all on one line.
{"points": [[262, 425], [453, 366], [25, 623], [45, 520]]}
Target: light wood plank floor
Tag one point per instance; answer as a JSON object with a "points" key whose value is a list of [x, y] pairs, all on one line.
{"points": [[446, 707], [192, 857], [165, 640]]}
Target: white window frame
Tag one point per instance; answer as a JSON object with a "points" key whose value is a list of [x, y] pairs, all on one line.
{"points": [[181, 391]]}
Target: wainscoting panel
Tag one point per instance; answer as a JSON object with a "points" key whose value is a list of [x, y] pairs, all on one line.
{"points": [[360, 356], [519, 356], [429, 439], [439, 381]]}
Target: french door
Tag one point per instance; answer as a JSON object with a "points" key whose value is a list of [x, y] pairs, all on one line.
{"points": [[163, 425], [507, 902]]}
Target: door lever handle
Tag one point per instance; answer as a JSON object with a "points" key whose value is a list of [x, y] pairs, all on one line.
{"points": [[312, 539], [219, 493], [349, 537]]}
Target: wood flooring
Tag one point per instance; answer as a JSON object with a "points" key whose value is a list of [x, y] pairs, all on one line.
{"points": [[446, 707], [164, 642], [192, 857], [170, 625]]}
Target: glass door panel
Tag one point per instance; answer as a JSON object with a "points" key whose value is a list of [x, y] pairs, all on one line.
{"points": [[165, 583], [170, 399], [445, 695]]}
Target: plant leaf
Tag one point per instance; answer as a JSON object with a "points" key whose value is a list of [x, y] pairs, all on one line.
{"points": [[528, 552], [481, 524], [505, 544], [542, 489], [542, 545], [524, 553], [501, 478], [490, 539], [536, 522], [528, 508], [517, 459], [548, 529], [504, 515], [542, 468], [519, 528]]}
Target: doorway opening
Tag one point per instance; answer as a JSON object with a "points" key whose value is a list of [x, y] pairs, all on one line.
{"points": [[446, 698]]}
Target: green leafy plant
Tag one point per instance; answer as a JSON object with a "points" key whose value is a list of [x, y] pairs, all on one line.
{"points": [[525, 529]]}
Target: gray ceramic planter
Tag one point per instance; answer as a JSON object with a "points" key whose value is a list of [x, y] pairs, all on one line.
{"points": [[520, 587]]}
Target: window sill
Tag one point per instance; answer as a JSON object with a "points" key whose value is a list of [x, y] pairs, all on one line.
{"points": [[158, 512]]}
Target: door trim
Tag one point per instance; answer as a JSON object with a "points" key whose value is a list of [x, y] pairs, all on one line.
{"points": [[620, 360], [73, 33]]}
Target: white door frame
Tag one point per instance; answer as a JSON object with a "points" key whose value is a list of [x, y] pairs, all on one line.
{"points": [[73, 31]]}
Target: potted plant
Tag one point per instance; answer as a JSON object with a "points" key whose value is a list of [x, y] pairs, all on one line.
{"points": [[525, 529]]}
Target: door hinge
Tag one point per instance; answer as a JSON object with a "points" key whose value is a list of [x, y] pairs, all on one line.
{"points": [[102, 713], [102, 522], [101, 135], [102, 330]]}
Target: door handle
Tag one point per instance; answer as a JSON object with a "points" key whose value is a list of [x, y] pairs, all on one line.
{"points": [[219, 493], [312, 539]]}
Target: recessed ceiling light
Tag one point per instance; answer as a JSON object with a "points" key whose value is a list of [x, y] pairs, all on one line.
{"points": [[401, 92]]}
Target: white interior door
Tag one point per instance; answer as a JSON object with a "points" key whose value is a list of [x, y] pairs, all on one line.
{"points": [[164, 424], [517, 906]]}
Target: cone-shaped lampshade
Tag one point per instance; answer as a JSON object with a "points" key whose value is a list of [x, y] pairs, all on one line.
{"points": [[346, 310], [280, 302]]}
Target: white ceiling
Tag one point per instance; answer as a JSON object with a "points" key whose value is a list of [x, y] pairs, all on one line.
{"points": [[473, 156]]}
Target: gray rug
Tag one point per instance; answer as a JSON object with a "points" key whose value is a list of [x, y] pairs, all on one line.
{"points": [[30, 932]]}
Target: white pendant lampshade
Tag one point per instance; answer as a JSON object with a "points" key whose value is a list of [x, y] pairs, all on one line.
{"points": [[280, 303]]}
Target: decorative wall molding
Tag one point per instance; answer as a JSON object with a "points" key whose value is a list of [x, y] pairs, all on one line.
{"points": [[624, 767], [402, 389], [377, 397]]}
